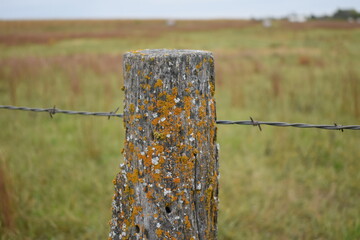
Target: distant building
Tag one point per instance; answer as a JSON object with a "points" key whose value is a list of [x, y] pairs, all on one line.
{"points": [[170, 22], [296, 18], [267, 23]]}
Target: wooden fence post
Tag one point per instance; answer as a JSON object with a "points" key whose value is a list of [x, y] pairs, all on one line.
{"points": [[168, 186]]}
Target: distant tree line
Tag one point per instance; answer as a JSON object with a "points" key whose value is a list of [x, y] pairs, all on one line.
{"points": [[341, 14]]}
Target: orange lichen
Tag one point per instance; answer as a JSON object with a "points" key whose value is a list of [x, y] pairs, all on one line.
{"points": [[151, 108], [187, 222], [183, 159], [159, 232], [149, 195], [145, 86], [134, 176], [132, 108], [146, 159], [159, 149], [157, 177], [130, 146], [212, 89], [159, 136], [177, 111], [136, 210], [158, 84], [155, 121], [128, 67]]}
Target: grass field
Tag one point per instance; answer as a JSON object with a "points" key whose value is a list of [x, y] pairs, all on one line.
{"points": [[281, 183]]}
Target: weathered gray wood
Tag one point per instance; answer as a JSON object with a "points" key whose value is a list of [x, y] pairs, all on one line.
{"points": [[168, 186]]}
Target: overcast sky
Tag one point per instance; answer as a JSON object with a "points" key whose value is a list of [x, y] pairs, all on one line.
{"points": [[74, 9]]}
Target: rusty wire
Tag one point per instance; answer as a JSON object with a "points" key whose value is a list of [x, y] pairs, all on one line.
{"points": [[54, 110]]}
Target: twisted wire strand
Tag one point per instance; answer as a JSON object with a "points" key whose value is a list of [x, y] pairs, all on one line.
{"points": [[297, 125], [53, 111]]}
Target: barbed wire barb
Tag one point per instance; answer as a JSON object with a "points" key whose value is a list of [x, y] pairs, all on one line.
{"points": [[340, 127], [54, 110], [255, 123], [114, 112]]}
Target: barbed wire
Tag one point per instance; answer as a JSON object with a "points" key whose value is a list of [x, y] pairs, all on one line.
{"points": [[54, 110], [296, 125]]}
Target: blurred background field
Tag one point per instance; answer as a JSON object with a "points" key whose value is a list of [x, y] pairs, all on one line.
{"points": [[281, 183]]}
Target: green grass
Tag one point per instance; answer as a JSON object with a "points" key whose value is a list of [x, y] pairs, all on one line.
{"points": [[281, 183]]}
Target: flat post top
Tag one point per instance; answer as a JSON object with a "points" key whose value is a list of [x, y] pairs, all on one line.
{"points": [[168, 52]]}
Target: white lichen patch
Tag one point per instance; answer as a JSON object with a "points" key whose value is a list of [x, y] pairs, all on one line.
{"points": [[167, 191], [155, 160]]}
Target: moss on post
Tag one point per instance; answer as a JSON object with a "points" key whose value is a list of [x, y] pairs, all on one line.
{"points": [[168, 186]]}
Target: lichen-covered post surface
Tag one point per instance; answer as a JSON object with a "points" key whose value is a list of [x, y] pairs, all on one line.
{"points": [[167, 187]]}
